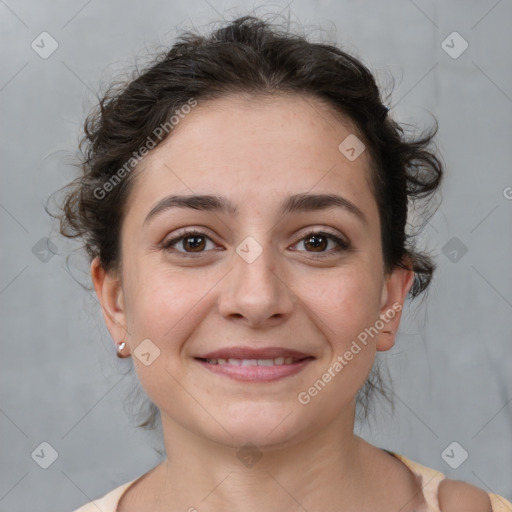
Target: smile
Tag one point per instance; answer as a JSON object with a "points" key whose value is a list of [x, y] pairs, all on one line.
{"points": [[255, 362], [255, 370]]}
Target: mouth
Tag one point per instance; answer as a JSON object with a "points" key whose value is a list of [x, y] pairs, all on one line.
{"points": [[262, 365], [277, 361]]}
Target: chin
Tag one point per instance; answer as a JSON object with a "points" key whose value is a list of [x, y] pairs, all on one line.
{"points": [[264, 426]]}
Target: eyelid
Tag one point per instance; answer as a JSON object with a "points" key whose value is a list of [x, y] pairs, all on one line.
{"points": [[317, 230], [182, 232], [342, 243], [185, 233]]}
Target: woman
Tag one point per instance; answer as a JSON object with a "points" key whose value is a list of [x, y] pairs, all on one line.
{"points": [[244, 203]]}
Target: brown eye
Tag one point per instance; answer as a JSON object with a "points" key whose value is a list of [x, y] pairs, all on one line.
{"points": [[196, 243], [190, 242], [316, 243]]}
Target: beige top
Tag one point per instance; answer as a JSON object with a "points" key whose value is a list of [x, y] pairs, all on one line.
{"points": [[429, 479]]}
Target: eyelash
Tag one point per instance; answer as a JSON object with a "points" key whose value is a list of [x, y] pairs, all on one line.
{"points": [[342, 245]]}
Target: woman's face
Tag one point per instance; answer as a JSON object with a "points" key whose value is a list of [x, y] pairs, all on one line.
{"points": [[257, 278]]}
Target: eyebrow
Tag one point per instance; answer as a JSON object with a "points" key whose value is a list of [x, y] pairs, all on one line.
{"points": [[293, 204]]}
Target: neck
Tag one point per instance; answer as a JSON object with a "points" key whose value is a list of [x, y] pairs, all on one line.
{"points": [[311, 473]]}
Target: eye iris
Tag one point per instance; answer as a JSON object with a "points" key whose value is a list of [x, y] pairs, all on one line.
{"points": [[195, 245], [322, 244]]}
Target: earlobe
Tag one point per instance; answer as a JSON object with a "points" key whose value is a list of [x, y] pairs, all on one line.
{"points": [[110, 294]]}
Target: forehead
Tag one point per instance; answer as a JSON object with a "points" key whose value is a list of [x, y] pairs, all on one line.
{"points": [[250, 148]]}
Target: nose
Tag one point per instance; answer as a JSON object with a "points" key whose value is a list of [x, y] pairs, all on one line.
{"points": [[256, 293]]}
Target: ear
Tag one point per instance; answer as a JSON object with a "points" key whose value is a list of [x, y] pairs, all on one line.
{"points": [[110, 294], [394, 291]]}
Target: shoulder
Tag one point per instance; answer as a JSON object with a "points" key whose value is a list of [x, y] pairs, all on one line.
{"points": [[108, 503], [458, 496]]}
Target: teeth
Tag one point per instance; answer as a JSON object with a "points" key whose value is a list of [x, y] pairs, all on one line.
{"points": [[254, 362]]}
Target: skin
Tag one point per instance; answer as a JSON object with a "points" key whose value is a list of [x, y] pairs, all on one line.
{"points": [[256, 154]]}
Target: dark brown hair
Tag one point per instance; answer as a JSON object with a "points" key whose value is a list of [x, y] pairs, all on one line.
{"points": [[250, 56]]}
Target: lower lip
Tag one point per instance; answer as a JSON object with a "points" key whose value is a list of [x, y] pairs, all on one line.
{"points": [[257, 373]]}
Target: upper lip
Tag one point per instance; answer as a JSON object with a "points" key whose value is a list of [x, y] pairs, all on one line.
{"points": [[253, 353]]}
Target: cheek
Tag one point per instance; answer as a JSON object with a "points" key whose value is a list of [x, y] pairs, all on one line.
{"points": [[345, 303], [163, 305], [344, 309]]}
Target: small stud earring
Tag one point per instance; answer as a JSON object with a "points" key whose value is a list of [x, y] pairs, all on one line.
{"points": [[120, 347]]}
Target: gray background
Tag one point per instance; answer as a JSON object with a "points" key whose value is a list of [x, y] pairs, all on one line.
{"points": [[60, 380]]}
